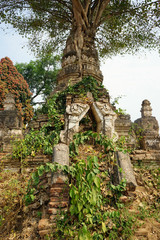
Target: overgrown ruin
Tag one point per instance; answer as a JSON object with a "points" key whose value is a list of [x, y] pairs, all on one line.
{"points": [[142, 136]]}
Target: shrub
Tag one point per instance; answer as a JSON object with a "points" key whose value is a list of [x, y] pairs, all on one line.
{"points": [[12, 81]]}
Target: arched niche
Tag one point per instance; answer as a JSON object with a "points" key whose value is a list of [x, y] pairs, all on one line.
{"points": [[101, 112]]}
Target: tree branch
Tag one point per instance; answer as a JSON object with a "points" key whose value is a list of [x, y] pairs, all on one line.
{"points": [[78, 11], [102, 7], [118, 13], [87, 3]]}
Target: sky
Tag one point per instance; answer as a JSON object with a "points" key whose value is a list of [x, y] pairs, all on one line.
{"points": [[132, 77]]}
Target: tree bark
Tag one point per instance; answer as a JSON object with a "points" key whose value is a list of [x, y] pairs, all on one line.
{"points": [[80, 57]]}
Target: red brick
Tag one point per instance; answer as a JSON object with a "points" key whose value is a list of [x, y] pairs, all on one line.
{"points": [[55, 211], [62, 204], [57, 192], [59, 199]]}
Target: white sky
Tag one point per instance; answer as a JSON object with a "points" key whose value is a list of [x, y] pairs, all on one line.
{"points": [[135, 78]]}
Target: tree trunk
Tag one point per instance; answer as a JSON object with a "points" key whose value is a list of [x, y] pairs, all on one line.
{"points": [[80, 58]]}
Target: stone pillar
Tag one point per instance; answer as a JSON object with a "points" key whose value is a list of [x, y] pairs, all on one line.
{"points": [[59, 192], [126, 172], [105, 117]]}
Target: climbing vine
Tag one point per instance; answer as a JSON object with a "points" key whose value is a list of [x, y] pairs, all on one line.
{"points": [[44, 139], [89, 193]]}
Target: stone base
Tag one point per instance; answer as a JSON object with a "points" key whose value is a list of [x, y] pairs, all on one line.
{"points": [[151, 157]]}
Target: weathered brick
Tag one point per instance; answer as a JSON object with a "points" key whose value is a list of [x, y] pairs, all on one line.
{"points": [[62, 204], [58, 192], [55, 211], [58, 199]]}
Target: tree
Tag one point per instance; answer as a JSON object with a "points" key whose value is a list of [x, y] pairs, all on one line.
{"points": [[12, 81], [113, 26], [40, 75]]}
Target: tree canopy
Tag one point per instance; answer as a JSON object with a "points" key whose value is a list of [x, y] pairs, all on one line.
{"points": [[12, 81], [117, 26], [40, 75]]}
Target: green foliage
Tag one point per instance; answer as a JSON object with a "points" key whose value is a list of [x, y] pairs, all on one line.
{"points": [[40, 75], [85, 189], [114, 103], [117, 26], [87, 217], [90, 194], [118, 190], [137, 131], [110, 145], [44, 139], [36, 141]]}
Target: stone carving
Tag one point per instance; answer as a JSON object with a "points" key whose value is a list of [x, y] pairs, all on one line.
{"points": [[76, 66], [102, 112], [74, 113], [76, 108], [105, 118], [105, 108]]}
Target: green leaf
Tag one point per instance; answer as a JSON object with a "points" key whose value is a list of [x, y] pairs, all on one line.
{"points": [[84, 234], [72, 210], [41, 170], [79, 206], [104, 229], [35, 178], [97, 182], [32, 197], [90, 177]]}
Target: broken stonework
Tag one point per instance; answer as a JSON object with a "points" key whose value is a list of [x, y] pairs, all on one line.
{"points": [[59, 192], [9, 102], [10, 123], [44, 227], [123, 126], [148, 128], [61, 154], [124, 170], [144, 157], [76, 110], [105, 117], [37, 123]]}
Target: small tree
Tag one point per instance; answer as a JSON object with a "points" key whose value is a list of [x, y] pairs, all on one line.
{"points": [[40, 75], [12, 81]]}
